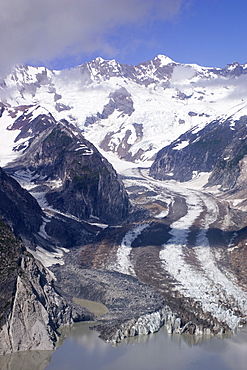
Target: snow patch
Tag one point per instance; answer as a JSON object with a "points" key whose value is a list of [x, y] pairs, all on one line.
{"points": [[85, 149], [49, 258], [162, 214], [181, 145]]}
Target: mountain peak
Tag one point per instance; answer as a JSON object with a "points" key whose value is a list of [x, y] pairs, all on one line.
{"points": [[164, 59], [99, 60]]}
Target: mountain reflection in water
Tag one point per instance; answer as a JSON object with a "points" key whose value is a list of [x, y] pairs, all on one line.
{"points": [[83, 350]]}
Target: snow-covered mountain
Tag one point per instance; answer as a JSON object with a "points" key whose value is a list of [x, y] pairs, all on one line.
{"points": [[133, 111], [154, 252]]}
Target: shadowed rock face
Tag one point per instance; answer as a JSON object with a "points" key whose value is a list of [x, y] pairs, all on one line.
{"points": [[90, 186], [72, 174], [18, 208], [22, 213], [10, 250]]}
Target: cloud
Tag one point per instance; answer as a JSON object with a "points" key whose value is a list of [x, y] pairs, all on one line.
{"points": [[182, 72], [237, 86], [41, 30]]}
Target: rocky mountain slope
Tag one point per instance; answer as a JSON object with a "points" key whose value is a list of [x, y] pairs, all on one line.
{"points": [[219, 148], [61, 166]]}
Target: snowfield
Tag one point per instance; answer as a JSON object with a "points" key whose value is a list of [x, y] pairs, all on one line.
{"points": [[189, 98]]}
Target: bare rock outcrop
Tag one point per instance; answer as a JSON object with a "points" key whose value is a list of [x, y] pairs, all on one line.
{"points": [[31, 309]]}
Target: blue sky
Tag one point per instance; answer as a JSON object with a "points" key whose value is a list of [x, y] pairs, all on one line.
{"points": [[64, 33], [206, 32]]}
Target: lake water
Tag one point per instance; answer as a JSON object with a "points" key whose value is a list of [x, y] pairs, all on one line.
{"points": [[83, 350]]}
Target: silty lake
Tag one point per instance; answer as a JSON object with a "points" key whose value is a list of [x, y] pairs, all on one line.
{"points": [[83, 350]]}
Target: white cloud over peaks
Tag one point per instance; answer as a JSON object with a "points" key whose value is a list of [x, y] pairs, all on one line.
{"points": [[41, 30]]}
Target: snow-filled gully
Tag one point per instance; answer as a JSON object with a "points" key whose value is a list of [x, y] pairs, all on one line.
{"points": [[213, 289]]}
